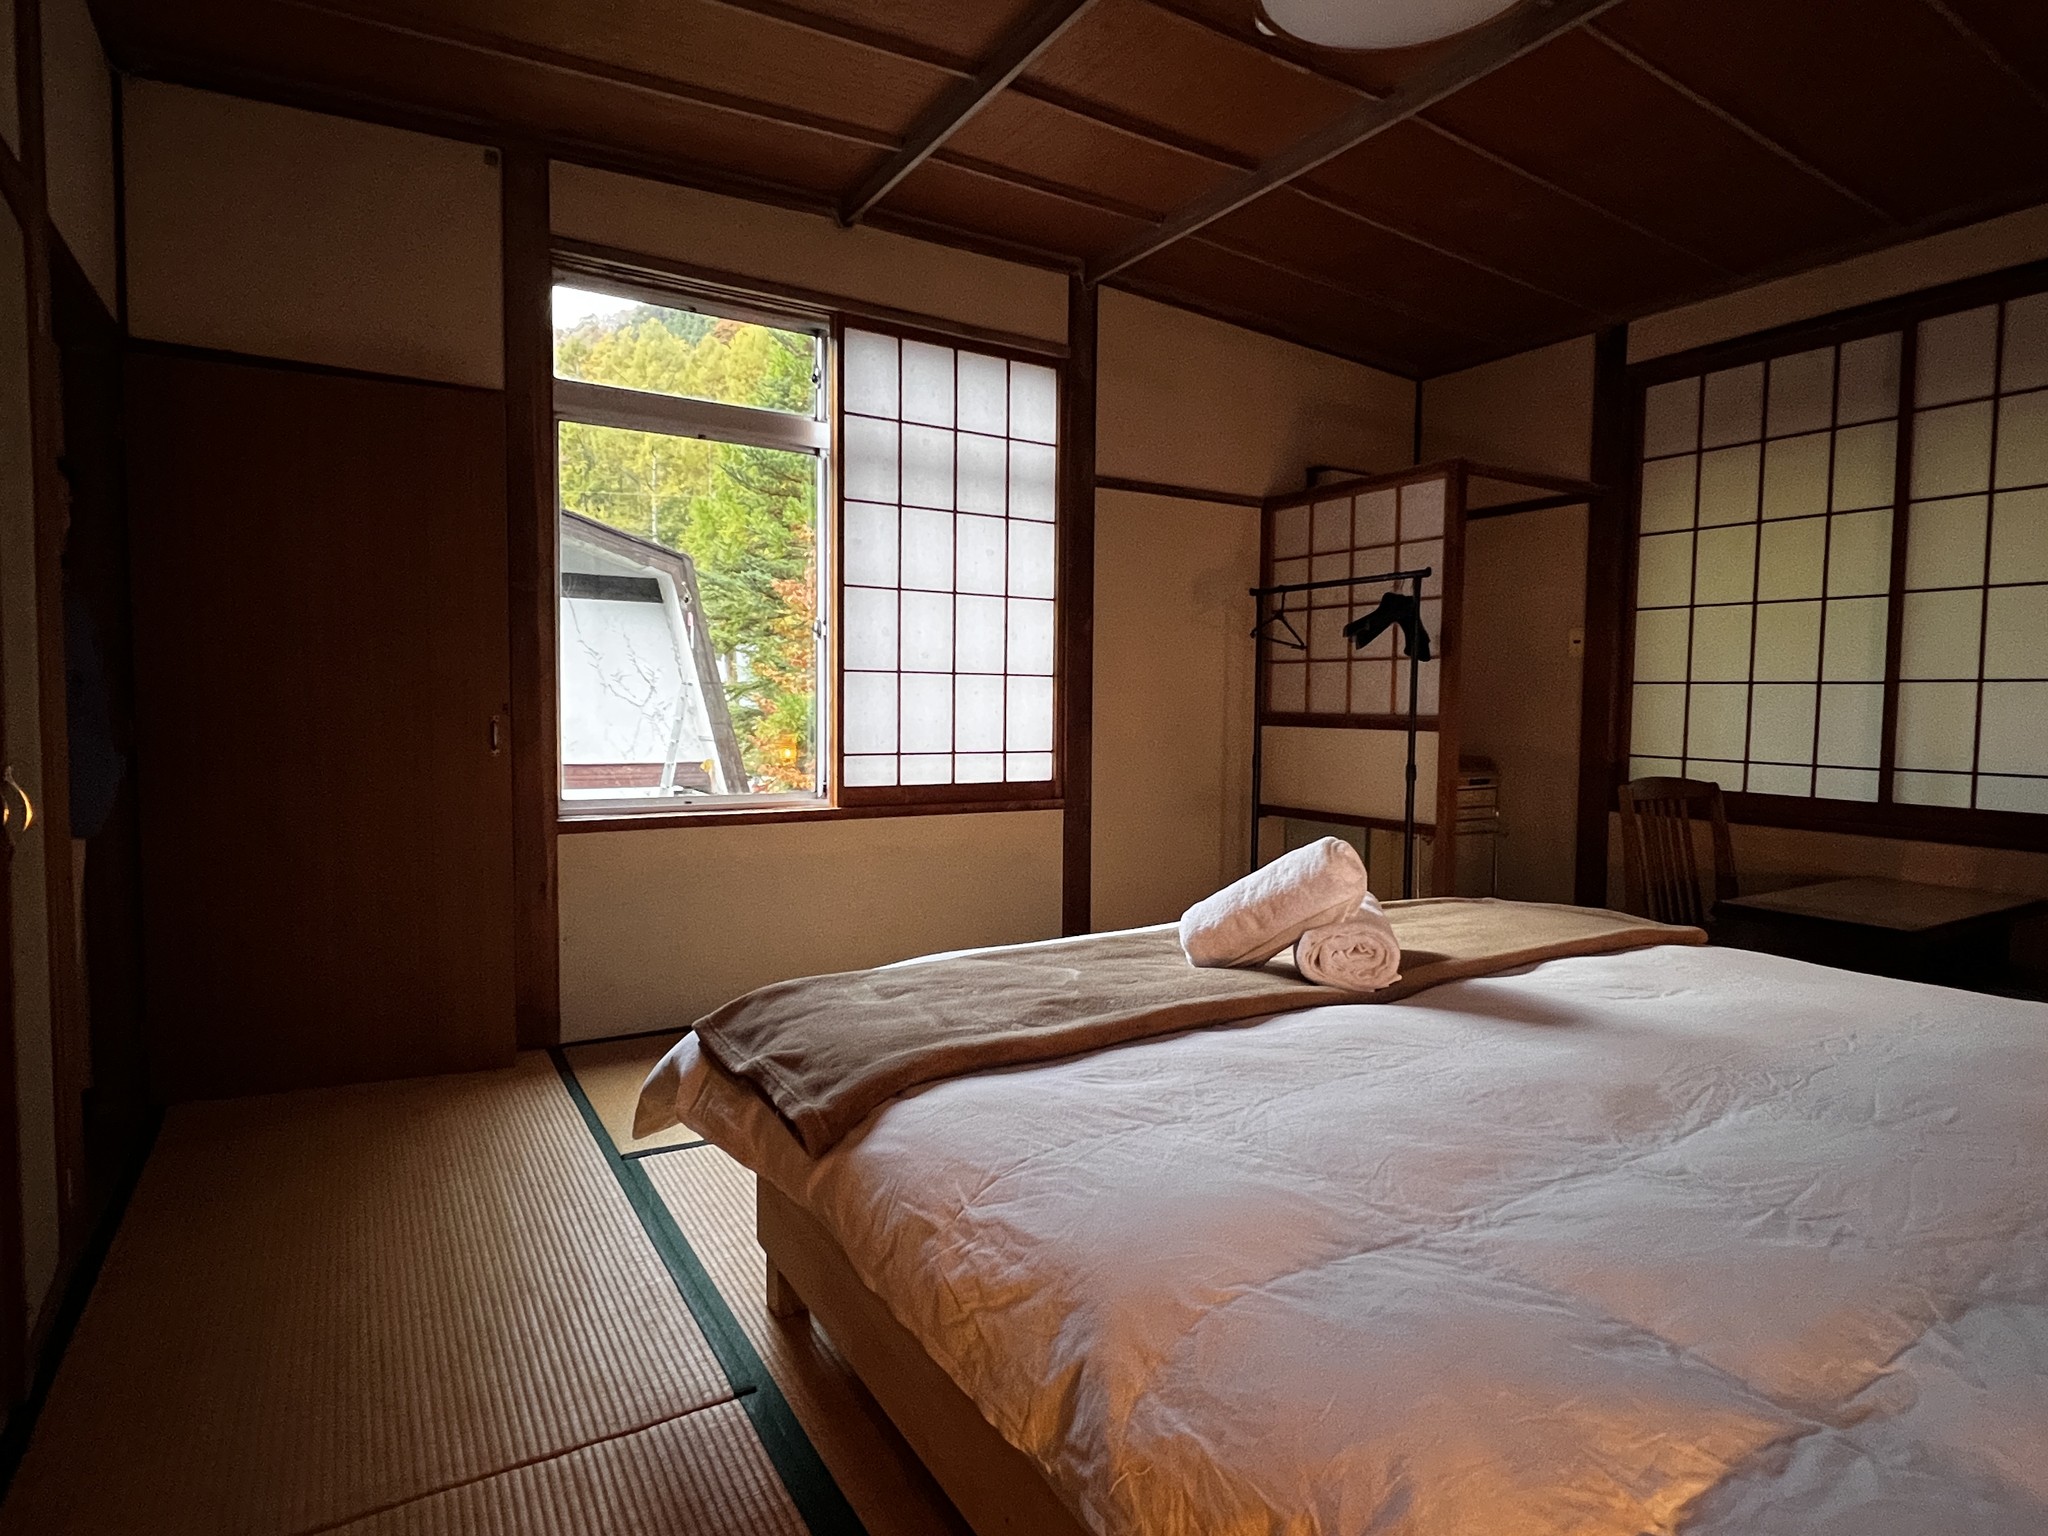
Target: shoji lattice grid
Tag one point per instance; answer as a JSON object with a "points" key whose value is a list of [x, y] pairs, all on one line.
{"points": [[1973, 663], [946, 564], [1764, 573], [1393, 528]]}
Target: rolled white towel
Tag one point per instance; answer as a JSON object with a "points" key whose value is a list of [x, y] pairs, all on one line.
{"points": [[1358, 953], [1253, 919]]}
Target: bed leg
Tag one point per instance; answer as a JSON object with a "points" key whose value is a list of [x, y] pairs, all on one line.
{"points": [[783, 1300]]}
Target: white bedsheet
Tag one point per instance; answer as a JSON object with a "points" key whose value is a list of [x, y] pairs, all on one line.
{"points": [[1676, 1240]]}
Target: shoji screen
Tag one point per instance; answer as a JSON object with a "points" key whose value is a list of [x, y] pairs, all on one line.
{"points": [[946, 567], [1763, 570], [1973, 690], [1383, 529]]}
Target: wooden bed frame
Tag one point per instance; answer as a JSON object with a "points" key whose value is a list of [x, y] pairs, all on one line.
{"points": [[992, 1483]]}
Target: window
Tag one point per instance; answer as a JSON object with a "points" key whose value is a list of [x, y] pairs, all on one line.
{"points": [[947, 566], [1842, 568], [713, 460], [691, 462]]}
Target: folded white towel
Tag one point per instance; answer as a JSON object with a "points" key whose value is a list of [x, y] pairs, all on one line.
{"points": [[1358, 953], [1252, 920]]}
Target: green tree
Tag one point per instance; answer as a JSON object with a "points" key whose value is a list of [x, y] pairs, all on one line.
{"points": [[746, 516]]}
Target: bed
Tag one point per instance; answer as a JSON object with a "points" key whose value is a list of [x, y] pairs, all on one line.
{"points": [[1689, 1240]]}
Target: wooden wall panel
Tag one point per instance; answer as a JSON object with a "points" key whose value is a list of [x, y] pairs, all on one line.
{"points": [[320, 608]]}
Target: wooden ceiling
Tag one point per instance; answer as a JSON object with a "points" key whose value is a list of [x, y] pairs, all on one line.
{"points": [[1635, 156]]}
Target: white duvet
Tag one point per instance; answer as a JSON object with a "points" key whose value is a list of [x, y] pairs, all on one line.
{"points": [[1677, 1240]]}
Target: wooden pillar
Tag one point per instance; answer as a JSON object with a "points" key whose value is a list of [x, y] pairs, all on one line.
{"points": [[1077, 611], [1609, 565]]}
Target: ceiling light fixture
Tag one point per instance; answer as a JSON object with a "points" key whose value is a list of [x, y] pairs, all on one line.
{"points": [[1369, 24]]}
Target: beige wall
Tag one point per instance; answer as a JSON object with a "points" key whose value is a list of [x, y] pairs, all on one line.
{"points": [[289, 234], [1173, 702], [1191, 401], [1967, 252], [78, 117], [660, 927], [1525, 599], [778, 245], [1186, 400]]}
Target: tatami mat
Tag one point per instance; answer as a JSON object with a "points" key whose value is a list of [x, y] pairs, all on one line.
{"points": [[611, 1072], [324, 1305], [703, 1472], [711, 1198]]}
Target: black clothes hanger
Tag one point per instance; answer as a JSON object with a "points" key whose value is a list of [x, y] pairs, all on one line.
{"points": [[1280, 614], [1396, 609]]}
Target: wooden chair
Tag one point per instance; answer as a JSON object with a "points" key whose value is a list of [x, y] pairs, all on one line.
{"points": [[1660, 854]]}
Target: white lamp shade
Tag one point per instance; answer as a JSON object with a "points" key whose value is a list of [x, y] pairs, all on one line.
{"points": [[1365, 24]]}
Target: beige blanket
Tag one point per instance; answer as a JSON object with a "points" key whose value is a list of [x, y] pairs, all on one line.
{"points": [[827, 1051]]}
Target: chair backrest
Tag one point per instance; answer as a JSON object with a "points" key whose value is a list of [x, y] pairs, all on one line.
{"points": [[1660, 855]]}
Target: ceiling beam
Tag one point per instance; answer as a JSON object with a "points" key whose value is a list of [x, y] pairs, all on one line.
{"points": [[1520, 32], [1280, 50], [960, 101], [1747, 129], [1990, 50]]}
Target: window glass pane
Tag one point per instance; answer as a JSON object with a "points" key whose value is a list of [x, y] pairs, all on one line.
{"points": [[1661, 645], [2026, 343], [1952, 451], [1655, 768], [1422, 509], [1290, 532], [660, 349], [1793, 559], [1720, 644], [870, 468], [1734, 406], [1031, 559], [1671, 417], [2012, 740], [1727, 775], [1859, 554], [1717, 721], [1373, 685], [1664, 571], [981, 466], [1287, 687], [1375, 514], [689, 659], [1728, 485], [869, 557], [927, 549], [1781, 723], [1996, 794], [1796, 476], [1957, 356], [1028, 722], [1869, 389], [927, 632], [1028, 767], [1657, 720], [2019, 537], [1330, 524], [1032, 492], [1866, 466], [1945, 543], [870, 770], [927, 467], [2016, 633], [980, 634], [2023, 440], [1802, 392], [1034, 403], [1951, 789], [1844, 784], [870, 619], [981, 554], [978, 768], [1776, 779], [927, 714], [868, 700], [1668, 493], [927, 384], [1726, 565], [1855, 636], [1788, 642], [1940, 634], [869, 363], [984, 384], [1937, 726], [1851, 724], [1031, 637]]}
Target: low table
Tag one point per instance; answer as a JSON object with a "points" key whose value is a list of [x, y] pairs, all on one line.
{"points": [[1943, 933]]}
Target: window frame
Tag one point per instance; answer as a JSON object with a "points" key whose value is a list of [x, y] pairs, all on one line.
{"points": [[1884, 817], [650, 280]]}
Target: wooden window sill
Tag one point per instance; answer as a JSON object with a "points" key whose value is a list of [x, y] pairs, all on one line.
{"points": [[613, 820]]}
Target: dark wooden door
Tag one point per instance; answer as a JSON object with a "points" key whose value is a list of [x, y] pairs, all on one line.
{"points": [[319, 570]]}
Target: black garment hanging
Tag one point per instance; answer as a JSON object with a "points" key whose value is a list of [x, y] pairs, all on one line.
{"points": [[1396, 610]]}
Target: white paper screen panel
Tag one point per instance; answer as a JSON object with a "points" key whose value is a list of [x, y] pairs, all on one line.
{"points": [[1763, 572], [1388, 529], [947, 561]]}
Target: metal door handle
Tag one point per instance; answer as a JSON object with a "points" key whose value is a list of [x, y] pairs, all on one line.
{"points": [[17, 811], [497, 734]]}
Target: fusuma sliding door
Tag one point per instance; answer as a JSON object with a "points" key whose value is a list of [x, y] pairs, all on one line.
{"points": [[322, 756]]}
